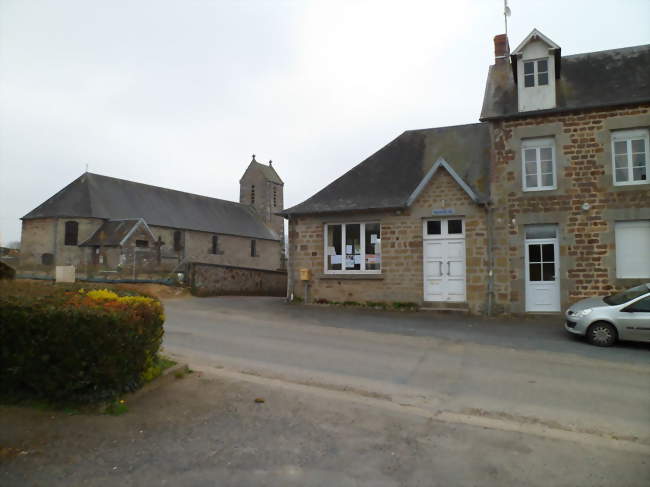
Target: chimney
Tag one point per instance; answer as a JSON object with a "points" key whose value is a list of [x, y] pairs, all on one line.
{"points": [[501, 48]]}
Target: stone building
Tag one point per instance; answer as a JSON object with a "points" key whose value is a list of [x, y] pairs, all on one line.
{"points": [[544, 202], [116, 228]]}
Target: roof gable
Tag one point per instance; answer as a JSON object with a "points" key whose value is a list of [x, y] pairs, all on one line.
{"points": [[268, 172], [441, 163], [116, 232], [534, 35]]}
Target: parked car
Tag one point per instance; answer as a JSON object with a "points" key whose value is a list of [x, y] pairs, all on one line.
{"points": [[604, 320]]}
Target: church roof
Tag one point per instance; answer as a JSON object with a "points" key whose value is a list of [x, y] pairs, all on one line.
{"points": [[388, 178], [267, 171], [595, 79], [96, 196]]}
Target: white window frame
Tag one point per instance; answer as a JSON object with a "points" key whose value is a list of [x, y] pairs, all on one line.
{"points": [[538, 144], [444, 228], [622, 250], [536, 71], [627, 136], [362, 234]]}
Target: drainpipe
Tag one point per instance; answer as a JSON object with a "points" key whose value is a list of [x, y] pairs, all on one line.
{"points": [[490, 257], [289, 266]]}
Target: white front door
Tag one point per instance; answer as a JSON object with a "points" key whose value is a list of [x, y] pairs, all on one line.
{"points": [[444, 260], [542, 275]]}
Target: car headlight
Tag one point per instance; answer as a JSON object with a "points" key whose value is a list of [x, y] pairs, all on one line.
{"points": [[584, 312]]}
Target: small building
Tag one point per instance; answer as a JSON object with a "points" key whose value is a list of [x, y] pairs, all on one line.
{"points": [[543, 202], [112, 227]]}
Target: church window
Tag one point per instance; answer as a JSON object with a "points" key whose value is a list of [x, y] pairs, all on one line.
{"points": [[71, 233], [253, 194], [178, 245]]}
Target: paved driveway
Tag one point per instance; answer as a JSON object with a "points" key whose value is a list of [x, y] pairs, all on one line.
{"points": [[524, 370]]}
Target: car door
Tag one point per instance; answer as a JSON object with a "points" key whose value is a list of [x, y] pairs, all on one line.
{"points": [[635, 319]]}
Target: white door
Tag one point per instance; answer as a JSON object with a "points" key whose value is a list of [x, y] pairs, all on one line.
{"points": [[444, 260], [542, 275]]}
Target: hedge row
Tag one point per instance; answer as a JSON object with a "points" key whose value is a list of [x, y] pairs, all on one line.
{"points": [[76, 345]]}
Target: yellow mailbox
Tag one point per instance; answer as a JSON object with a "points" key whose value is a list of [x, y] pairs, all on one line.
{"points": [[305, 274]]}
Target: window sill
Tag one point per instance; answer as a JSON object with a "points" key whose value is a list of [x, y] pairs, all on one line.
{"points": [[535, 190], [352, 277], [631, 183]]}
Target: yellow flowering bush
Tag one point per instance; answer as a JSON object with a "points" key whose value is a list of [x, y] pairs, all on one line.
{"points": [[78, 345], [101, 295]]}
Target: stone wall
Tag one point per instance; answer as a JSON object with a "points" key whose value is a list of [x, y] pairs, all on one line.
{"points": [[47, 235], [401, 246], [584, 168], [216, 280]]}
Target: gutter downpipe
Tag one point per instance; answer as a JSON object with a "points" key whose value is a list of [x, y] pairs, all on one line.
{"points": [[289, 297], [490, 257]]}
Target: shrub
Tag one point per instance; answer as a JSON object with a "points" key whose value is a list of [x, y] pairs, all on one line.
{"points": [[69, 345]]}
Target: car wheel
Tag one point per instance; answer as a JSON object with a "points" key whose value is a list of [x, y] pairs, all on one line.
{"points": [[602, 334]]}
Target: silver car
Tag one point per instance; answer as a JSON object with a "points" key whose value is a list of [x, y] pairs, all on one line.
{"points": [[622, 316]]}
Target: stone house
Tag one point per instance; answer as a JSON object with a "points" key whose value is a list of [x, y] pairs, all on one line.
{"points": [[545, 201], [118, 228]]}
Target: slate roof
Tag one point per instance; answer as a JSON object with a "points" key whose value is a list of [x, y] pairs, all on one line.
{"points": [[267, 171], [595, 79], [111, 233], [96, 196], [386, 179]]}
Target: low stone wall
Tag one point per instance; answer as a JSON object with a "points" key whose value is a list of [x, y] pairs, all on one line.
{"points": [[216, 280]]}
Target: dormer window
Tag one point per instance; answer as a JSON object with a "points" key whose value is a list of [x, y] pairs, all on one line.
{"points": [[536, 71], [536, 67]]}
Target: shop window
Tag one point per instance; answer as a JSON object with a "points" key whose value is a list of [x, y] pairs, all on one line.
{"points": [[353, 248]]}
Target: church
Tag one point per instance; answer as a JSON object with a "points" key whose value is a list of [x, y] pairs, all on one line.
{"points": [[113, 228]]}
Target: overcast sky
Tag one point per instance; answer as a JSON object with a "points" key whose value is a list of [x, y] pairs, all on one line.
{"points": [[180, 93]]}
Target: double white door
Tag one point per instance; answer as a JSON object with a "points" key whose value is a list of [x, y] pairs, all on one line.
{"points": [[444, 265]]}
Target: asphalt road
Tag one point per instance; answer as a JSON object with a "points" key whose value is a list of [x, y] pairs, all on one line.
{"points": [[207, 430], [523, 371]]}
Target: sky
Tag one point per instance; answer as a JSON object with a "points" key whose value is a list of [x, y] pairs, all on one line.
{"points": [[181, 93]]}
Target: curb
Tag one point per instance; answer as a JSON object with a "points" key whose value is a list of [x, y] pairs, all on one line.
{"points": [[167, 376]]}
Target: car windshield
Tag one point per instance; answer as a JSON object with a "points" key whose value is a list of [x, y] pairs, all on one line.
{"points": [[627, 295]]}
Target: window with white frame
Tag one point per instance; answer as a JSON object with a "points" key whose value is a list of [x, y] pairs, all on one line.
{"points": [[538, 160], [535, 73], [630, 157], [632, 249], [353, 248]]}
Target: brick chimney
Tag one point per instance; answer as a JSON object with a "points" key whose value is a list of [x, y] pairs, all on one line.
{"points": [[501, 48]]}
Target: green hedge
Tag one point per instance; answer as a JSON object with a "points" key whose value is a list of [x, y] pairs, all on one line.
{"points": [[76, 346]]}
